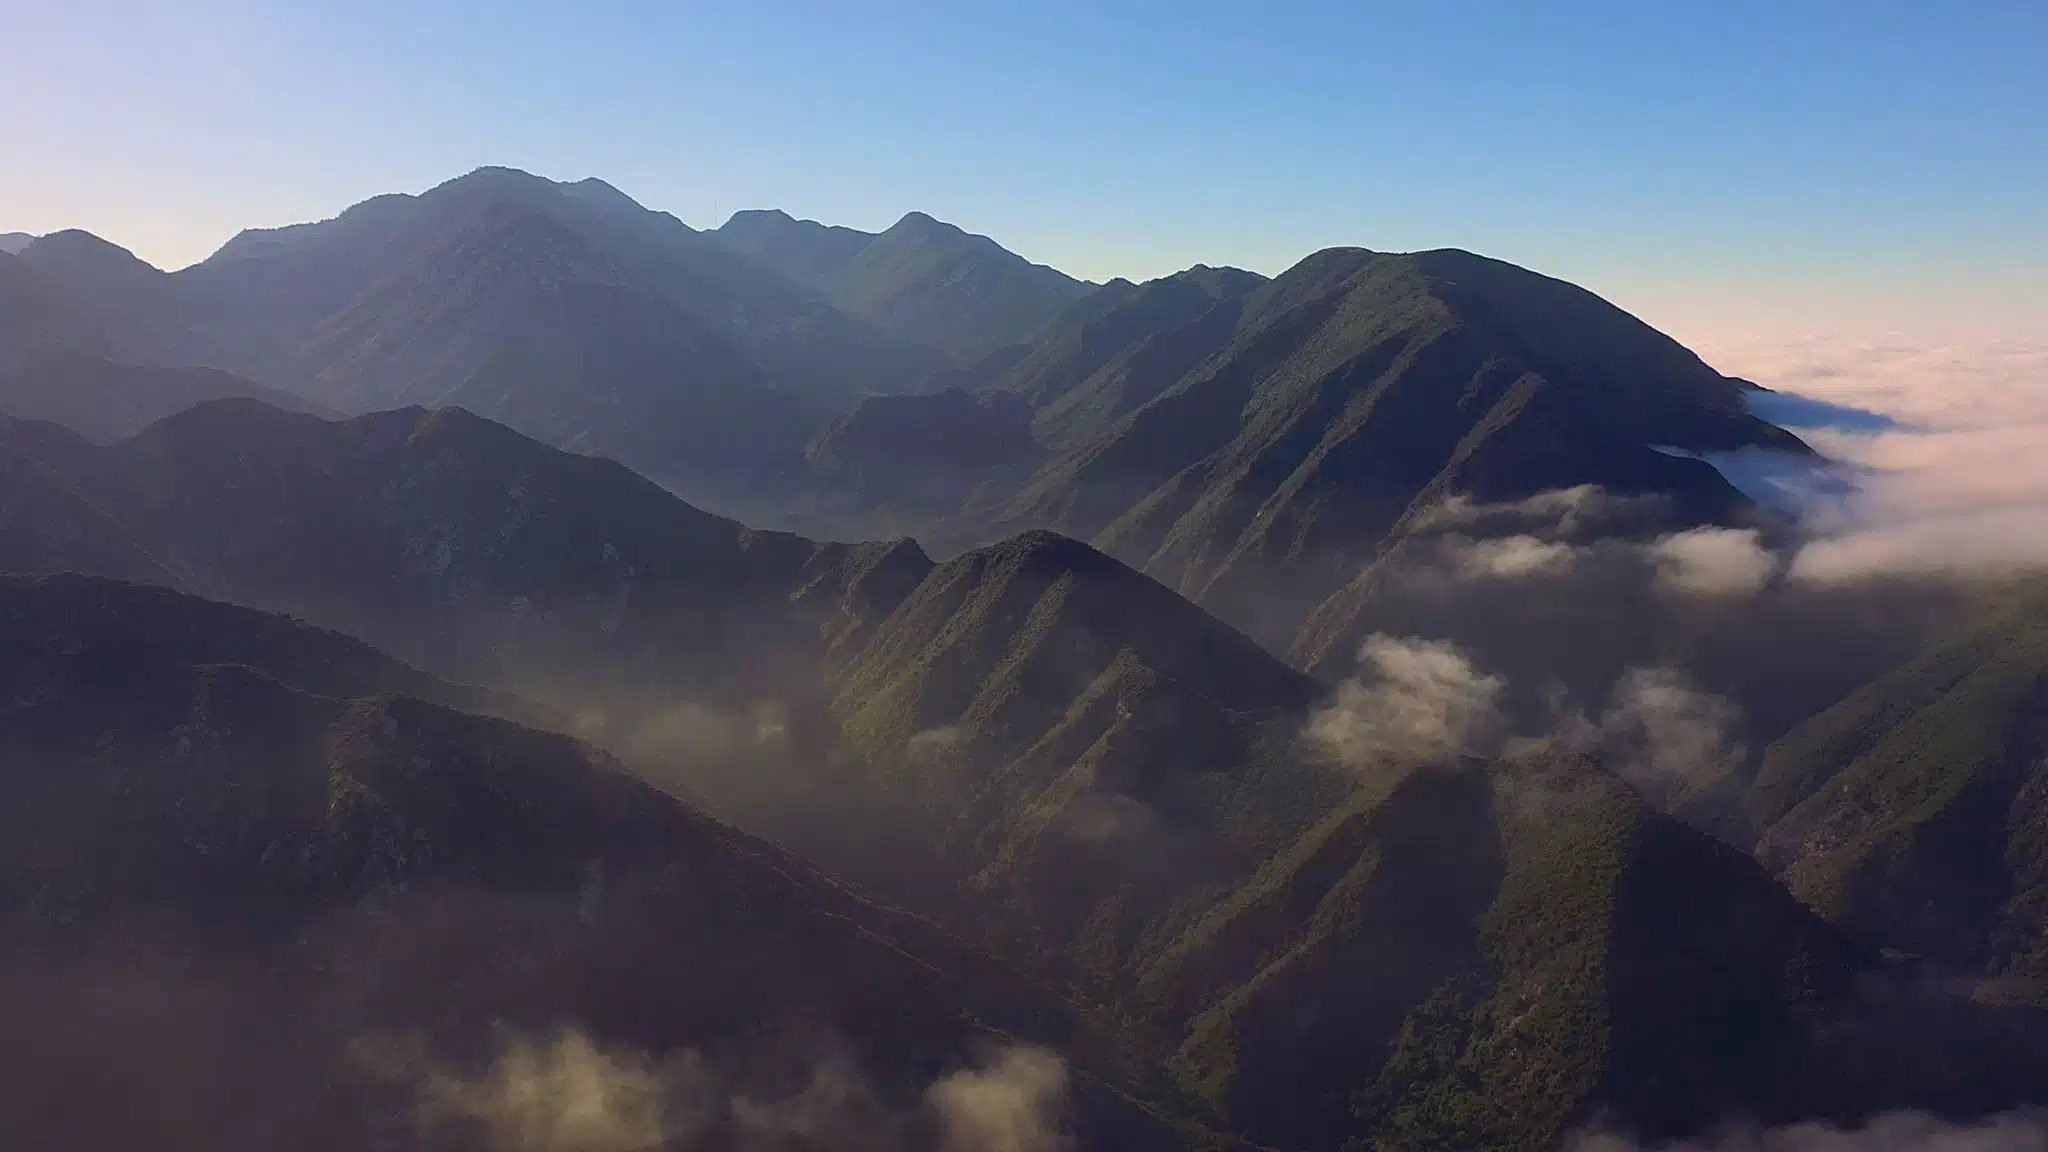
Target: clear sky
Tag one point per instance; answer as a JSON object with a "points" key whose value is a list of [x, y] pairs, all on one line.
{"points": [[1715, 166]]}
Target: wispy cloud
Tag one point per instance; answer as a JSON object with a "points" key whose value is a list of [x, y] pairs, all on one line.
{"points": [[1411, 700]]}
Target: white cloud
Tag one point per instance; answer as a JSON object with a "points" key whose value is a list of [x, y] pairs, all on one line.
{"points": [[1014, 1104], [1513, 557], [1412, 700], [1713, 562]]}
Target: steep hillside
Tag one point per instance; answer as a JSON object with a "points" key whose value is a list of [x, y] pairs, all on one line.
{"points": [[1363, 385], [48, 525], [1101, 357], [459, 544], [351, 912], [897, 465], [922, 279], [1474, 956], [1913, 812], [1034, 705], [1116, 350]]}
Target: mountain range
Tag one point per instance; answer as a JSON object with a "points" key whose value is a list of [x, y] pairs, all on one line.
{"points": [[1335, 711]]}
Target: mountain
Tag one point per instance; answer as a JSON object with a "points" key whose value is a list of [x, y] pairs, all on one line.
{"points": [[1362, 386], [270, 898], [106, 401], [506, 235], [48, 525], [1255, 444], [123, 308], [900, 464], [1056, 757], [922, 279], [1912, 812], [13, 242], [452, 541], [566, 310]]}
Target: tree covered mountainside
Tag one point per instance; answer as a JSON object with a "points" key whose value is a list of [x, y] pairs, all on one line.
{"points": [[1254, 444], [275, 821], [1067, 763]]}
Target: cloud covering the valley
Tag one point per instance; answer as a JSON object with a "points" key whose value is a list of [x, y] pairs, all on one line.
{"points": [[1940, 444]]}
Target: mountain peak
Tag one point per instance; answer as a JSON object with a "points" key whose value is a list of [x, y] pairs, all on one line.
{"points": [[79, 250], [925, 224], [13, 242]]}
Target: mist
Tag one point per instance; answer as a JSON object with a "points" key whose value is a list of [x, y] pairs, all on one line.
{"points": [[566, 1092], [1895, 1132]]}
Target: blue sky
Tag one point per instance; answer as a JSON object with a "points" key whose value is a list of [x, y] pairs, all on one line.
{"points": [[1818, 165]]}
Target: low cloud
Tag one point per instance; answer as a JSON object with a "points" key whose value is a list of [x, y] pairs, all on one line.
{"points": [[1513, 557], [1713, 562], [569, 1093], [1940, 445], [1671, 739], [1411, 700], [1897, 1132], [1586, 512], [1015, 1103]]}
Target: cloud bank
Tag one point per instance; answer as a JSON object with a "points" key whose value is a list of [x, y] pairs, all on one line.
{"points": [[1941, 446]]}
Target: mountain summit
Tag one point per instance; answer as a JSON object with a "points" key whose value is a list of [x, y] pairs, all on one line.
{"points": [[923, 279]]}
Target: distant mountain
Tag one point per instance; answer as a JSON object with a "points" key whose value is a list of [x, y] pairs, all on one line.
{"points": [[13, 242], [124, 308], [897, 464], [450, 540], [507, 232], [566, 310], [340, 898], [106, 401], [922, 279]]}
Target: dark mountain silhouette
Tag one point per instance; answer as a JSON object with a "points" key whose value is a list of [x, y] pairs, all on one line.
{"points": [[334, 892], [13, 242], [922, 279]]}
